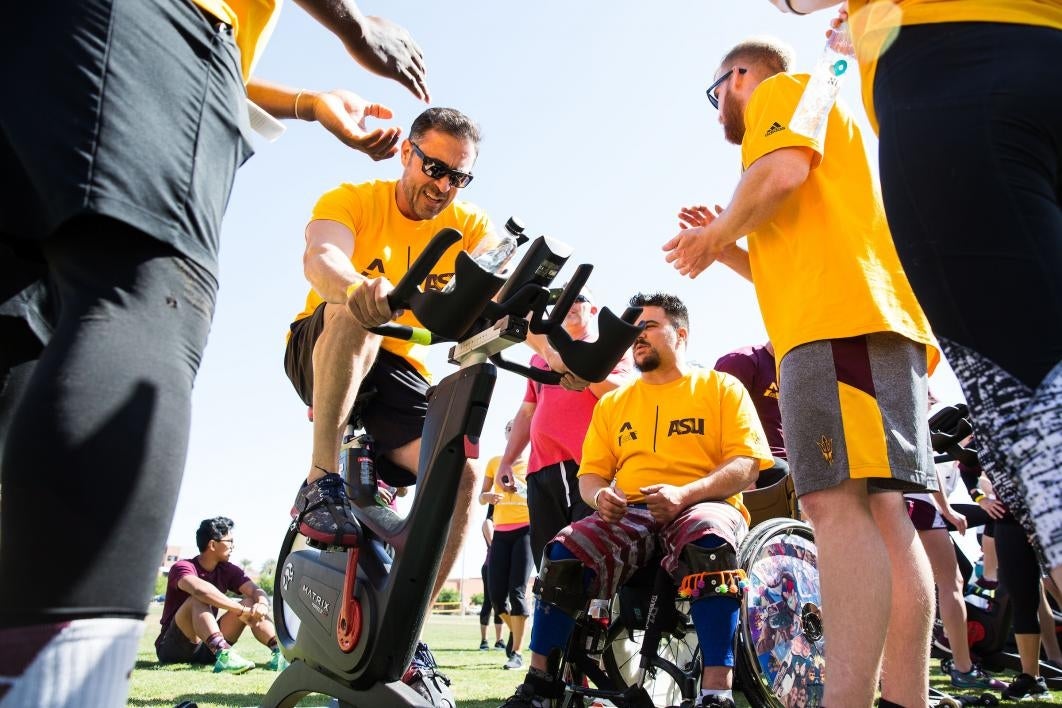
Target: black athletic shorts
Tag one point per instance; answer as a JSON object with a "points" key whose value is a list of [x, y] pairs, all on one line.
{"points": [[393, 415], [172, 647]]}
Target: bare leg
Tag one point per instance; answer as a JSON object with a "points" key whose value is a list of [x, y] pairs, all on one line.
{"points": [[517, 623], [856, 606], [718, 678], [408, 456], [342, 357], [905, 663], [1029, 653], [1048, 636], [937, 543]]}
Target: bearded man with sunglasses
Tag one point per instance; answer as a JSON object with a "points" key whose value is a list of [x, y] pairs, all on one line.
{"points": [[361, 239]]}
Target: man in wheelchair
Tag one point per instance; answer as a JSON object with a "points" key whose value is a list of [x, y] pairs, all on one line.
{"points": [[664, 463]]}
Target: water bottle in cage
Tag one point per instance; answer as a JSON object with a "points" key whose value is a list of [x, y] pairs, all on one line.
{"points": [[360, 468], [813, 110], [598, 617], [494, 260]]}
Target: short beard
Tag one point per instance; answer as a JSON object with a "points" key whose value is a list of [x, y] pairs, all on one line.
{"points": [[733, 123], [651, 362]]}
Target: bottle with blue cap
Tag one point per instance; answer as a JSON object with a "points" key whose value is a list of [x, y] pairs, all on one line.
{"points": [[813, 110]]}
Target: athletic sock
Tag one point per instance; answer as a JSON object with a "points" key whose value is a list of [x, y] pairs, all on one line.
{"points": [[85, 662], [216, 643]]}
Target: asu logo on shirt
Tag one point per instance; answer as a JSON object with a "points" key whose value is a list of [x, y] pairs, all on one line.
{"points": [[626, 434], [686, 426]]}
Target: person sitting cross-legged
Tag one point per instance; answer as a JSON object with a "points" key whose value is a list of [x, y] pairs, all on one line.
{"points": [[664, 462], [191, 630]]}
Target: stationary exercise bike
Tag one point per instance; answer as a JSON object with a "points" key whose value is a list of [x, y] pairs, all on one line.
{"points": [[348, 620]]}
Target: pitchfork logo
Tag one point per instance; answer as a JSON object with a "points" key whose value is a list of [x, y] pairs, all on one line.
{"points": [[288, 576], [826, 447]]}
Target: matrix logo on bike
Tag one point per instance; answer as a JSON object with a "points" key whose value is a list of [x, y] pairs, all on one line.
{"points": [[319, 605]]}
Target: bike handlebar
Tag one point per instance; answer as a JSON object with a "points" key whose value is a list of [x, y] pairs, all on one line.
{"points": [[467, 310]]}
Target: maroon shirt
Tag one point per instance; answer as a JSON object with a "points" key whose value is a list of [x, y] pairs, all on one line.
{"points": [[225, 577], [754, 367]]}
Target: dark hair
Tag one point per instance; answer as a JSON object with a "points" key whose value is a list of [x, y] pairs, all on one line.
{"points": [[769, 54], [676, 311], [212, 530], [445, 120]]}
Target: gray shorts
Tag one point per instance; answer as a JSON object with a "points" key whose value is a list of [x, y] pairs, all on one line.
{"points": [[857, 408]]}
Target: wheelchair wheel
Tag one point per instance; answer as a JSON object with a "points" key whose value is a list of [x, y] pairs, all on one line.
{"points": [[780, 659], [675, 676]]}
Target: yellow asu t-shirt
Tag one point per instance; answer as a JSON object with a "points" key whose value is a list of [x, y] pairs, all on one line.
{"points": [[512, 509], [673, 433], [386, 243], [825, 266], [876, 23], [252, 23]]}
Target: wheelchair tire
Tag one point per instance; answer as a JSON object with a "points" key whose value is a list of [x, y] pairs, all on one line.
{"points": [[676, 674], [780, 647]]}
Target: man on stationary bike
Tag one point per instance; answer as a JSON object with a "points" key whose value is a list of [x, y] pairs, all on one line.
{"points": [[664, 463], [361, 239]]}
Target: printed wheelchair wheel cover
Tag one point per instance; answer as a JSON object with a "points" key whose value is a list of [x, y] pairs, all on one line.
{"points": [[781, 658]]}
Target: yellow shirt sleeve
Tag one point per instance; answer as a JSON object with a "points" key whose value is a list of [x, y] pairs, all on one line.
{"points": [[767, 117], [342, 205]]}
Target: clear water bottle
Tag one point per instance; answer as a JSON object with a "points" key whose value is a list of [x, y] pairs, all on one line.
{"points": [[600, 617], [494, 260], [813, 110]]}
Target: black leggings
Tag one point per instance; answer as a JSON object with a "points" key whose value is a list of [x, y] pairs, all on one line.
{"points": [[487, 606], [1019, 572], [98, 433], [971, 170], [510, 567]]}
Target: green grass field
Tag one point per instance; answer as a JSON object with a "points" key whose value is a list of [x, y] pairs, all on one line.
{"points": [[478, 679]]}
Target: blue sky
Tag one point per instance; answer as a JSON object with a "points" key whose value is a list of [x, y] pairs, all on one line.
{"points": [[596, 130]]}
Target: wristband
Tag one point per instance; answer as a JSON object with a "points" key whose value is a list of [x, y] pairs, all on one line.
{"points": [[977, 495], [593, 502]]}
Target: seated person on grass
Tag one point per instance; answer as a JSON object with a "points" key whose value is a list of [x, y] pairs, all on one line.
{"points": [[191, 630]]}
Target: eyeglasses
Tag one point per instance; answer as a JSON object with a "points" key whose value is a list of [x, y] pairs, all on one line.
{"points": [[713, 98], [582, 298], [229, 541], [436, 169]]}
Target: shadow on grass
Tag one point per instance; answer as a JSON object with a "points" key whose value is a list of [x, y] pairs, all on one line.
{"points": [[237, 698]]}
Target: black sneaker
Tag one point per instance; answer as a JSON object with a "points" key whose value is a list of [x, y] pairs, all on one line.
{"points": [[1025, 686], [499, 644], [424, 677], [525, 697], [716, 702], [323, 512]]}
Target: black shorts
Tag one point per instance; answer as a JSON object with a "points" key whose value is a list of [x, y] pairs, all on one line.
{"points": [[172, 647], [393, 415], [142, 118]]}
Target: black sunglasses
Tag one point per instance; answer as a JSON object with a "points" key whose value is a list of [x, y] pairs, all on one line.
{"points": [[712, 98], [437, 169]]}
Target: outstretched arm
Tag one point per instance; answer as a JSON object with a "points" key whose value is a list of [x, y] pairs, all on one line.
{"points": [[379, 45], [803, 7], [763, 187], [343, 113]]}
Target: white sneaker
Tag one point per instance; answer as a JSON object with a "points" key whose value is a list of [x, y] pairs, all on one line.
{"points": [[515, 661]]}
